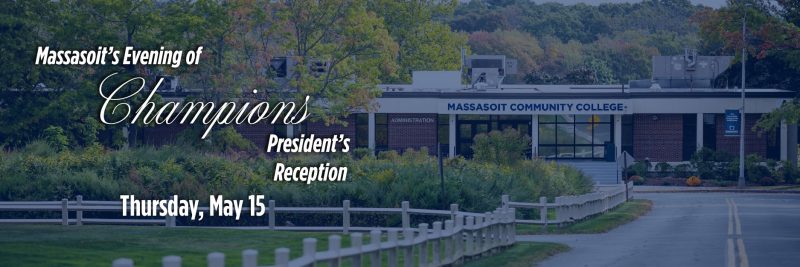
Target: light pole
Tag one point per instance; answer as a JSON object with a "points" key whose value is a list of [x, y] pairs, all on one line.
{"points": [[741, 183]]}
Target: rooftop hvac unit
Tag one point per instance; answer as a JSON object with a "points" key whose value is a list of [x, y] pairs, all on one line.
{"points": [[170, 84], [688, 70], [690, 59], [280, 66], [284, 66], [319, 67], [488, 71]]}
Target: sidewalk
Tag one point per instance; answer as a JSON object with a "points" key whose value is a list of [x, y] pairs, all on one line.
{"points": [[749, 189]]}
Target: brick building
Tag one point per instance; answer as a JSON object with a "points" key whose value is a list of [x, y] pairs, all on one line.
{"points": [[664, 119]]}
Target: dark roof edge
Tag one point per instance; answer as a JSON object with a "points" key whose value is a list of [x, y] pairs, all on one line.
{"points": [[606, 95]]}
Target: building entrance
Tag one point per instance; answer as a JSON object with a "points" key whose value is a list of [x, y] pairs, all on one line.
{"points": [[575, 136], [468, 126]]}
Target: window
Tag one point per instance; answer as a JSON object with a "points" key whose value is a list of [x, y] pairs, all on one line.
{"points": [[574, 136], [443, 134], [443, 129], [362, 130], [627, 134], [467, 126], [381, 132], [280, 130]]}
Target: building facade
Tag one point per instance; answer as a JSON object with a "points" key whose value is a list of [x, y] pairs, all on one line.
{"points": [[666, 118]]}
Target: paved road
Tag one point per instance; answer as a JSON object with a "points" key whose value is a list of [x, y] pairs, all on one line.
{"points": [[694, 229]]}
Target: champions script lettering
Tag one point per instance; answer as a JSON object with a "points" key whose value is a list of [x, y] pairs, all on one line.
{"points": [[207, 113]]}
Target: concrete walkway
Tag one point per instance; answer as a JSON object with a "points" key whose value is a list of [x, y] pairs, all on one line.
{"points": [[691, 229]]}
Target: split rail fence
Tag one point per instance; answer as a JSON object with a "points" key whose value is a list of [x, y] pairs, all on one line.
{"points": [[461, 235]]}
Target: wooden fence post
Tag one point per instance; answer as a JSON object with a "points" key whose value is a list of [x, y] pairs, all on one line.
{"points": [[504, 199], [170, 221], [391, 255], [309, 248], [408, 249], [423, 247], [513, 236], [122, 262], [215, 259], [271, 215], [375, 241], [437, 243], [453, 211], [346, 216], [448, 242], [404, 215], [543, 212], [458, 237], [282, 257], [249, 258], [356, 242], [171, 261], [479, 230], [334, 246], [79, 213], [468, 246], [64, 211], [559, 210]]}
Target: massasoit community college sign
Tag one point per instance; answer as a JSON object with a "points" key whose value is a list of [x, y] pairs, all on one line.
{"points": [[533, 107]]}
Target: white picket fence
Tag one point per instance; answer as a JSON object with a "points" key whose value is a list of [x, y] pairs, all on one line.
{"points": [[442, 244]]}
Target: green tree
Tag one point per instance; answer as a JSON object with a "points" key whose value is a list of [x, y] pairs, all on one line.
{"points": [[514, 44], [423, 42], [772, 44], [352, 40]]}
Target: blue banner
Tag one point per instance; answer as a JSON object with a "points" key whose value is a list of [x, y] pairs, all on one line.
{"points": [[732, 123]]}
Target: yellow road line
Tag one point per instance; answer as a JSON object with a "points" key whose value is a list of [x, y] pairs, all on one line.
{"points": [[736, 216], [731, 259], [743, 261], [730, 216]]}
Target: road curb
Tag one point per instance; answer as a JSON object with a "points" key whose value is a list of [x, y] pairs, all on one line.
{"points": [[717, 191]]}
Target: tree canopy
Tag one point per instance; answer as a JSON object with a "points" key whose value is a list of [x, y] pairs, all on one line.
{"points": [[363, 43]]}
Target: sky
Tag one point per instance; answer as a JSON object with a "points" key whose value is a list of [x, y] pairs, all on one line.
{"points": [[709, 3]]}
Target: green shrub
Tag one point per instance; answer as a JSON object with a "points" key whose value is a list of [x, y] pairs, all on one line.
{"points": [[788, 173], [501, 147], [639, 168], [55, 137], [663, 169], [682, 170], [38, 173], [714, 165]]}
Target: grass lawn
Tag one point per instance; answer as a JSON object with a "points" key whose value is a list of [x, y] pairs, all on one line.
{"points": [[521, 254], [95, 245], [99, 245], [620, 215]]}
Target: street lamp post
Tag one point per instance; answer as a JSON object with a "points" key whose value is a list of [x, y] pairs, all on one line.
{"points": [[742, 116]]}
